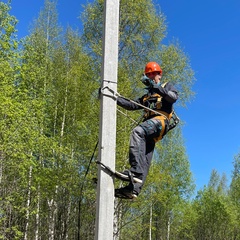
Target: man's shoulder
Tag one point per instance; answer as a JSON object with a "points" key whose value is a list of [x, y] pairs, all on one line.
{"points": [[168, 86], [164, 84]]}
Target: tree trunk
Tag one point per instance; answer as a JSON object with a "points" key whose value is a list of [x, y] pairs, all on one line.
{"points": [[28, 203], [52, 214], [37, 214], [150, 223], [67, 220], [168, 229], [1, 166]]}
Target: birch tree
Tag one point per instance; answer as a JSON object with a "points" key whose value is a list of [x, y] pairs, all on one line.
{"points": [[11, 118], [62, 91], [213, 207]]}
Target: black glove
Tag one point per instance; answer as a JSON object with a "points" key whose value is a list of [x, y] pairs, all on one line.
{"points": [[147, 81]]}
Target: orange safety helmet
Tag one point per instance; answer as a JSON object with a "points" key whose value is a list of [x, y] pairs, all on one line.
{"points": [[152, 67]]}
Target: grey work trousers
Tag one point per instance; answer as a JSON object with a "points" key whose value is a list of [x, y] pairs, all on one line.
{"points": [[142, 147]]}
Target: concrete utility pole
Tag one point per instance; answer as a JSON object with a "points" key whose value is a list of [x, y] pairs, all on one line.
{"points": [[107, 134]]}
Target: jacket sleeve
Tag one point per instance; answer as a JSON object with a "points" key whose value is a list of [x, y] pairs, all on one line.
{"points": [[169, 93], [128, 105]]}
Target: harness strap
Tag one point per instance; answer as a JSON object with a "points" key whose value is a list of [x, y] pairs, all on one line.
{"points": [[161, 113], [164, 122], [130, 177]]}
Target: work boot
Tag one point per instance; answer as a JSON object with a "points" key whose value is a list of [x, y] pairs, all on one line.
{"points": [[126, 192]]}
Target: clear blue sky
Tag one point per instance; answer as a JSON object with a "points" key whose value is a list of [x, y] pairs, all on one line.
{"points": [[209, 33]]}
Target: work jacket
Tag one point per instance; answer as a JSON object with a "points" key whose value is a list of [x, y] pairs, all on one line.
{"points": [[165, 93]]}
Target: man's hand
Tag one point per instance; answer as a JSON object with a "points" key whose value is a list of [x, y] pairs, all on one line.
{"points": [[147, 81]]}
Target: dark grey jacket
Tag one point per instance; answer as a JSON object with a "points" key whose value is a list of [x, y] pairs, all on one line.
{"points": [[168, 93]]}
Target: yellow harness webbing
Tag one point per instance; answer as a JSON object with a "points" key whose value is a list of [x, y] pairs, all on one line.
{"points": [[162, 120]]}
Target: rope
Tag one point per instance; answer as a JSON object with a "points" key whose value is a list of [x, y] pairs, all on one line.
{"points": [[127, 116]]}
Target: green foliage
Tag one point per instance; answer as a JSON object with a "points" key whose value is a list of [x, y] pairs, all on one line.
{"points": [[235, 194], [7, 30], [235, 184], [46, 126], [177, 69], [214, 218]]}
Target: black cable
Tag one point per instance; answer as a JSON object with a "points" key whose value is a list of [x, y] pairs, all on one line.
{"points": [[81, 190]]}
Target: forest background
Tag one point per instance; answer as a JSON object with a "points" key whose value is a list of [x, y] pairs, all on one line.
{"points": [[49, 130]]}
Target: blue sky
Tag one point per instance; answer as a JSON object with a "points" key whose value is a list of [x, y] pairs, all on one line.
{"points": [[209, 33]]}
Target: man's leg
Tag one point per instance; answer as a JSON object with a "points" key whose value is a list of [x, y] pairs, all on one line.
{"points": [[141, 149]]}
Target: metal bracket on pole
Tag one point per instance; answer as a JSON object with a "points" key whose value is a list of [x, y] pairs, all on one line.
{"points": [[114, 93]]}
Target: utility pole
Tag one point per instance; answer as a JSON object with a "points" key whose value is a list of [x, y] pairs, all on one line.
{"points": [[107, 133]]}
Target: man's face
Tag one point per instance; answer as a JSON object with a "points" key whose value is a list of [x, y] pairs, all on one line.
{"points": [[155, 76]]}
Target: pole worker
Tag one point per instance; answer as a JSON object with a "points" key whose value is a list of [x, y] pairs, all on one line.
{"points": [[160, 98]]}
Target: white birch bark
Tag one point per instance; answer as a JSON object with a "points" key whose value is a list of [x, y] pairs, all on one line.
{"points": [[68, 218], [1, 167], [52, 204], [150, 223], [37, 214], [28, 203], [168, 229]]}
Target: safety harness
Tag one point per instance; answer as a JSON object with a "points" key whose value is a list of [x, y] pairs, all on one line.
{"points": [[168, 121]]}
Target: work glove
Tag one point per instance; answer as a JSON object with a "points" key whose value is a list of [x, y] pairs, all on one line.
{"points": [[147, 81]]}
